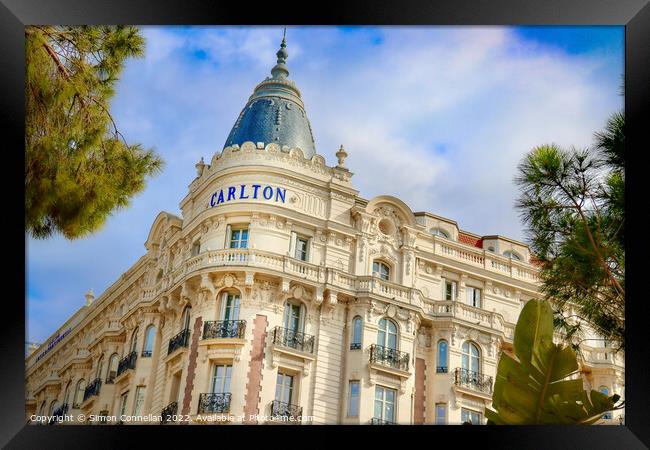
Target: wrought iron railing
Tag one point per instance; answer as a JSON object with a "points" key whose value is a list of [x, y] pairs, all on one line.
{"points": [[168, 413], [93, 388], [224, 329], [214, 402], [441, 369], [110, 378], [375, 421], [473, 380], [182, 339], [355, 346], [128, 362], [58, 413], [293, 339], [389, 357], [286, 411], [147, 353]]}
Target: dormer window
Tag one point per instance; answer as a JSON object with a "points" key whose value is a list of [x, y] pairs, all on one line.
{"points": [[439, 232], [512, 255], [381, 270]]}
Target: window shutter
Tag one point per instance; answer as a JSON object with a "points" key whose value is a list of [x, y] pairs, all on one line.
{"points": [[227, 240]]}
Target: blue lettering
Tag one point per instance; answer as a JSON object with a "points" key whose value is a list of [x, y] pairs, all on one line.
{"points": [[231, 193], [280, 193], [255, 188], [241, 193], [220, 198], [212, 199], [268, 189]]}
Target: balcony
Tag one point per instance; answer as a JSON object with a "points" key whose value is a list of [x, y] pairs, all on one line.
{"points": [[110, 378], [473, 380], [284, 337], [147, 353], [168, 413], [92, 389], [220, 329], [442, 369], [128, 362], [181, 340], [58, 414], [375, 421], [214, 403], [389, 357], [285, 412]]}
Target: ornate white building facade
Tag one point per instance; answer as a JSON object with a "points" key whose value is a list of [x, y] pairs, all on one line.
{"points": [[281, 295]]}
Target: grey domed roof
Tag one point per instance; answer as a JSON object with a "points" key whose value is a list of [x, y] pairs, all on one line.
{"points": [[275, 113]]}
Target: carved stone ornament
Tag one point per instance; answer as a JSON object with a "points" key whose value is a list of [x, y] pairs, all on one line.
{"points": [[229, 281]]}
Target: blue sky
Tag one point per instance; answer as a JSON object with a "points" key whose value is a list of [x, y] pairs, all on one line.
{"points": [[444, 114]]}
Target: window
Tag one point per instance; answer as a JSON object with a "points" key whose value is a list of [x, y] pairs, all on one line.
{"points": [[293, 317], [139, 400], [149, 337], [221, 379], [239, 238], [387, 334], [113, 363], [441, 413], [49, 412], [441, 366], [123, 400], [385, 404], [605, 390], [511, 254], [196, 248], [439, 232], [449, 292], [470, 358], [381, 270], [470, 416], [357, 328], [66, 394], [185, 318], [134, 340], [100, 367], [229, 306], [302, 245], [353, 401], [79, 393], [473, 296], [284, 388]]}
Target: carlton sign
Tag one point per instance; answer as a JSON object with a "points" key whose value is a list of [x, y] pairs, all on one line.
{"points": [[252, 191]]}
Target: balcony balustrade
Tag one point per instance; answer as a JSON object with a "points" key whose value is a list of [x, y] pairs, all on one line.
{"points": [[285, 412], [181, 340], [93, 388], [284, 337], [168, 413], [375, 421], [473, 380], [214, 402], [219, 329], [126, 363], [389, 357]]}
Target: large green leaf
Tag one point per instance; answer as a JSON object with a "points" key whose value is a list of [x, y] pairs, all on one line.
{"points": [[536, 386]]}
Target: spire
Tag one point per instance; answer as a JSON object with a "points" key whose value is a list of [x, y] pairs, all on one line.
{"points": [[280, 70]]}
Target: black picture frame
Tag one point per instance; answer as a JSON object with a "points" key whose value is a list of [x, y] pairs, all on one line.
{"points": [[633, 14]]}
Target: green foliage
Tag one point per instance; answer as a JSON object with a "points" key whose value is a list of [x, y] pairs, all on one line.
{"points": [[573, 204], [78, 167], [536, 387]]}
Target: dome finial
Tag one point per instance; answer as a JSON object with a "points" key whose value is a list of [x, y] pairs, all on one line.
{"points": [[280, 70]]}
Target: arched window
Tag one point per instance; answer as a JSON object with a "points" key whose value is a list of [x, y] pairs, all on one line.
{"points": [[442, 363], [185, 318], [41, 410], [79, 393], [357, 328], [134, 340], [439, 232], [66, 393], [381, 270], [294, 316], [149, 337], [100, 366], [229, 306], [51, 409], [113, 363], [511, 254], [387, 334], [471, 359]]}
